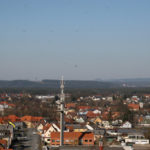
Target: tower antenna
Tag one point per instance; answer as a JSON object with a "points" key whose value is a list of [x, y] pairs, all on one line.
{"points": [[62, 99]]}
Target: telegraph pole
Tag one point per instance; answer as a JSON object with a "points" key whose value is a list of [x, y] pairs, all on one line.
{"points": [[62, 98]]}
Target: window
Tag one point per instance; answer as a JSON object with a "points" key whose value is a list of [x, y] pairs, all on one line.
{"points": [[90, 140], [48, 139], [86, 140], [53, 140], [140, 137], [132, 137], [67, 140]]}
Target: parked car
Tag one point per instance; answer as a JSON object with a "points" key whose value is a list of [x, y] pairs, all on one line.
{"points": [[136, 138], [22, 138]]}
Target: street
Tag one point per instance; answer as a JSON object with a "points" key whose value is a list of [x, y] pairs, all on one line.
{"points": [[30, 141]]}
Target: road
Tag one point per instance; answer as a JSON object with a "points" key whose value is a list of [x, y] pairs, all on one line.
{"points": [[30, 142], [34, 140]]}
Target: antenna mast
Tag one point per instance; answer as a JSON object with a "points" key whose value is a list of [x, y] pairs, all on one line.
{"points": [[62, 98]]}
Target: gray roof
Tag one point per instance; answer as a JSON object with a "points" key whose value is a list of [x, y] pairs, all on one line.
{"points": [[99, 132], [126, 131]]}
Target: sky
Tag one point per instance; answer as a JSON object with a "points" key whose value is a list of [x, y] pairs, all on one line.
{"points": [[79, 39]]}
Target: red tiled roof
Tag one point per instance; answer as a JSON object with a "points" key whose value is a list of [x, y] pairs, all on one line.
{"points": [[72, 135], [12, 105], [71, 105], [90, 114], [1, 119], [26, 118], [70, 128], [3, 142], [147, 95], [37, 118], [6, 103], [115, 115], [133, 106], [140, 119], [84, 107], [105, 115], [47, 126], [31, 118], [68, 120], [13, 118], [72, 114]]}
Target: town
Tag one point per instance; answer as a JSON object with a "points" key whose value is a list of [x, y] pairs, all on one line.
{"points": [[100, 121], [101, 50]]}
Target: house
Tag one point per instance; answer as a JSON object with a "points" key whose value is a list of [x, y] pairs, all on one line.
{"points": [[105, 115], [12, 118], [4, 133], [105, 124], [84, 108], [116, 122], [27, 120], [126, 124], [71, 114], [5, 104], [30, 120], [115, 115], [96, 98], [73, 138], [109, 98], [96, 111], [79, 120], [69, 128], [135, 98], [76, 127], [47, 129], [80, 128], [1, 108], [98, 120], [7, 133], [140, 119], [91, 114], [82, 113], [1, 120], [147, 96], [19, 125], [68, 120], [89, 127], [70, 105], [145, 122], [134, 107], [40, 127], [3, 144], [99, 133]]}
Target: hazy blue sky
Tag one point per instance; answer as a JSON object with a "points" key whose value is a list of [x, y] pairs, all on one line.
{"points": [[80, 39]]}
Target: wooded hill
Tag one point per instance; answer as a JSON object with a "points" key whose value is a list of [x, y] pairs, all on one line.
{"points": [[145, 82], [55, 84]]}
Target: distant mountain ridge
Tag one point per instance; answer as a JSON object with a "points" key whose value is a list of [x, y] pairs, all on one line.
{"points": [[133, 82], [138, 82], [54, 84]]}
